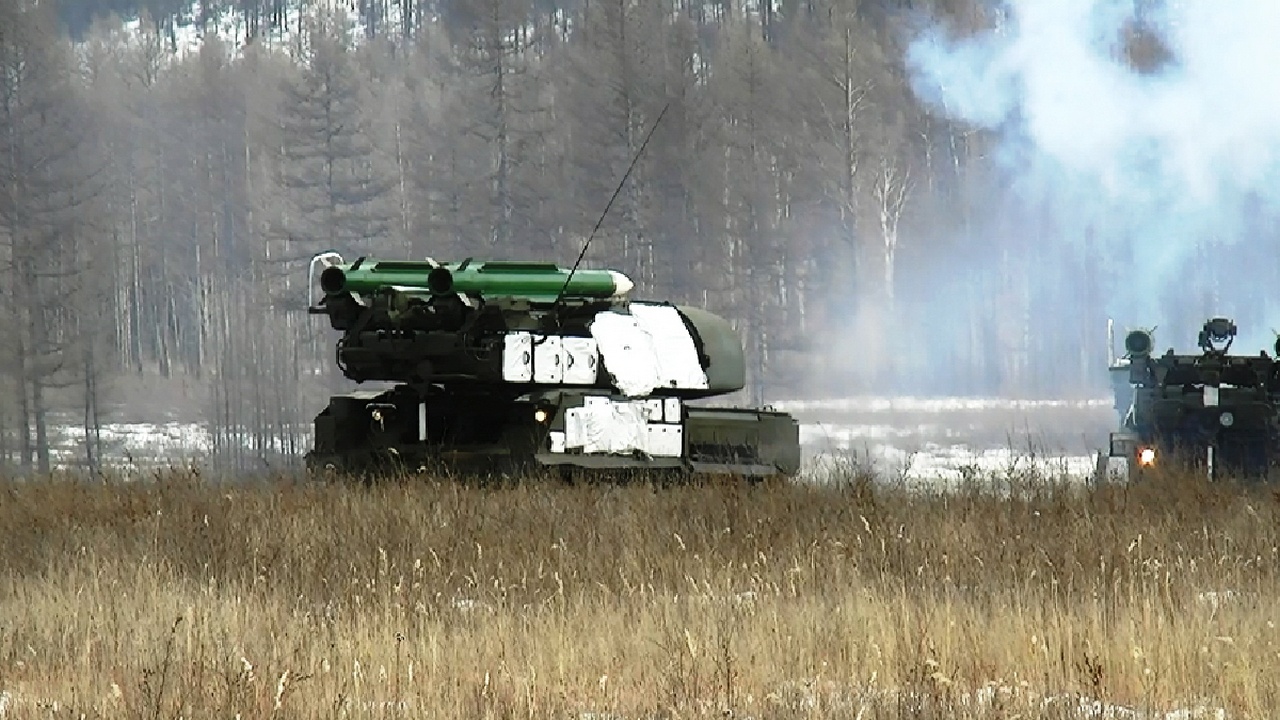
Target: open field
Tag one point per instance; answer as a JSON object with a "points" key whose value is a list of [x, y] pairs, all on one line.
{"points": [[946, 439], [927, 439], [185, 598], [1057, 425]]}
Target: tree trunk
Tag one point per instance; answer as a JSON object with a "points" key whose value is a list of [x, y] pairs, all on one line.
{"points": [[41, 419], [92, 427], [27, 448]]}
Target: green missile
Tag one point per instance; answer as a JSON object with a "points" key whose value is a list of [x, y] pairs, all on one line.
{"points": [[364, 276], [537, 282]]}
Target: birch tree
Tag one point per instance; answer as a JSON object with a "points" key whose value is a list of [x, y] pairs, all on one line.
{"points": [[844, 62], [891, 189]]}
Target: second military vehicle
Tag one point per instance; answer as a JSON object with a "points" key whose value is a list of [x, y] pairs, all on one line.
{"points": [[508, 366], [1212, 411]]}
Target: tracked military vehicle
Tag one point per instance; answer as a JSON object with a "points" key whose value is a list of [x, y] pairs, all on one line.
{"points": [[508, 366], [1212, 411]]}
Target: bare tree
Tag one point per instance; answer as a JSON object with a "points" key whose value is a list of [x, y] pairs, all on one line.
{"points": [[47, 161], [617, 88], [327, 174], [748, 90], [891, 190], [794, 184], [844, 62], [498, 96], [435, 167]]}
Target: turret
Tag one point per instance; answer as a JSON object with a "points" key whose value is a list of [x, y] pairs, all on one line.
{"points": [[539, 283], [520, 324]]}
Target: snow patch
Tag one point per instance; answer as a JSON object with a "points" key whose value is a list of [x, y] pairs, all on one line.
{"points": [[878, 404]]}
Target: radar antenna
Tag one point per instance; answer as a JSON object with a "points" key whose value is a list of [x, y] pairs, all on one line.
{"points": [[1216, 336]]}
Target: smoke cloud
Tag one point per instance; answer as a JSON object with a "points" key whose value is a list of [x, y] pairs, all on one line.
{"points": [[1154, 125]]}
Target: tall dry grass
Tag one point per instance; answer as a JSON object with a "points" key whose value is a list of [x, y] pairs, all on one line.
{"points": [[184, 598]]}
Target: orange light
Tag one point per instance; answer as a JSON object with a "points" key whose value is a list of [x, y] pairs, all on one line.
{"points": [[1147, 456], [540, 415]]}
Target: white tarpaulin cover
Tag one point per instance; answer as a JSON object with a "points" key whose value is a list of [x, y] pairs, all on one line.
{"points": [[677, 355], [653, 409], [648, 349], [581, 359], [549, 359], [664, 440], [604, 426], [671, 410], [517, 357], [629, 355], [608, 427], [557, 441]]}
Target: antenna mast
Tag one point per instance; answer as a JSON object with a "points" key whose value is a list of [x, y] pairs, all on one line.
{"points": [[617, 191]]}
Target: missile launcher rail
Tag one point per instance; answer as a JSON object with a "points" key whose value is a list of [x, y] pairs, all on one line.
{"points": [[507, 367]]}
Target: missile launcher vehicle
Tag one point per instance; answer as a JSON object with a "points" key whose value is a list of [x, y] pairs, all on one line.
{"points": [[1212, 411], [508, 366]]}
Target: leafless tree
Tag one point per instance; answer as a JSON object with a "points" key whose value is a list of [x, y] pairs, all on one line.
{"points": [[891, 190], [47, 216]]}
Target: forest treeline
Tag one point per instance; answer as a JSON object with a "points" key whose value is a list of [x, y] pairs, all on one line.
{"points": [[160, 201]]}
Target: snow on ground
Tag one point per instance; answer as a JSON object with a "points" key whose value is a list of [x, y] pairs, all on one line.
{"points": [[136, 443], [907, 403], [934, 440], [231, 26], [944, 440], [139, 446], [946, 466]]}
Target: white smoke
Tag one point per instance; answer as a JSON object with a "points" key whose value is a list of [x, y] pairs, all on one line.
{"points": [[1184, 154]]}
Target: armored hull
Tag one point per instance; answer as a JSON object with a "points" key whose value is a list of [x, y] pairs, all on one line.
{"points": [[491, 369], [408, 429], [1211, 412]]}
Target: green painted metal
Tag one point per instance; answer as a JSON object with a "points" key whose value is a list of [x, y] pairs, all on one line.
{"points": [[537, 282], [364, 276], [719, 343]]}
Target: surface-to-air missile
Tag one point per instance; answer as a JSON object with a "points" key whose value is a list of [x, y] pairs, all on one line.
{"points": [[1212, 411], [516, 365]]}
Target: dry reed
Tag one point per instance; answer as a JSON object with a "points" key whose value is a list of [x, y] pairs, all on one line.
{"points": [[185, 598]]}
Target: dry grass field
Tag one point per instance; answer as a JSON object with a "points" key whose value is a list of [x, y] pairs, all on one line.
{"points": [[282, 599]]}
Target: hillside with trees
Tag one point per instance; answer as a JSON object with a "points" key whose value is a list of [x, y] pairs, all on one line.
{"points": [[162, 195]]}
